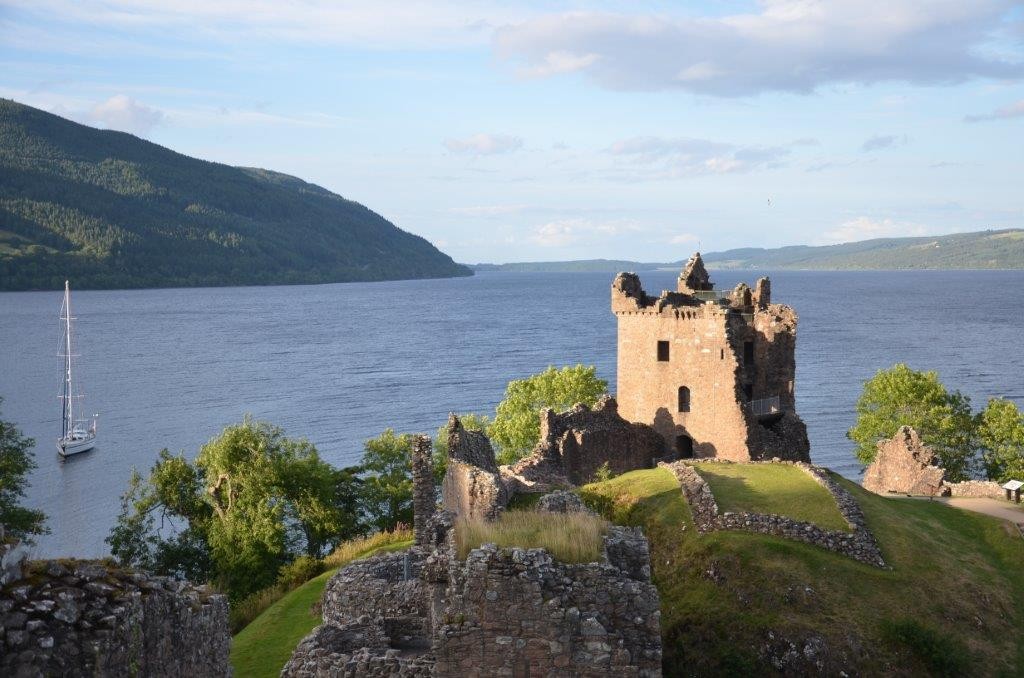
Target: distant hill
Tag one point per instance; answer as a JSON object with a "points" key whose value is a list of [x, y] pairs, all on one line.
{"points": [[981, 249], [109, 210]]}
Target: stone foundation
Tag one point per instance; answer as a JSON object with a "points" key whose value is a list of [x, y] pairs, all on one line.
{"points": [[976, 489], [88, 618], [858, 544]]}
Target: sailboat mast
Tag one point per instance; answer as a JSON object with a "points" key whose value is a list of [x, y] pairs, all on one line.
{"points": [[68, 413]]}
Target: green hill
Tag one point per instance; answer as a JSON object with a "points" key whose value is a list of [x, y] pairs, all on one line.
{"points": [[109, 210], [982, 249]]}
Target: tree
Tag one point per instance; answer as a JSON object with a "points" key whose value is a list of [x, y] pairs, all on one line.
{"points": [[252, 501], [516, 426], [471, 422], [386, 474], [901, 396], [16, 461], [1001, 434]]}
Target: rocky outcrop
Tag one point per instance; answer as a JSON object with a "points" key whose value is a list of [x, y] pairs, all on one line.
{"points": [[472, 487], [89, 618], [858, 543], [904, 465], [575, 444]]}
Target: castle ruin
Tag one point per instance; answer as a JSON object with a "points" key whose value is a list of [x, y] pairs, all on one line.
{"points": [[713, 371]]}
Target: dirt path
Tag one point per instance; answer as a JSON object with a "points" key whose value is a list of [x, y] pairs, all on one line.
{"points": [[992, 507]]}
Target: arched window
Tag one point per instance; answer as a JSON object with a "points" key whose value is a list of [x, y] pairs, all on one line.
{"points": [[684, 399]]}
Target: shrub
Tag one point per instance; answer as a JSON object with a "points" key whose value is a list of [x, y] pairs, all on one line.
{"points": [[299, 571], [568, 537]]}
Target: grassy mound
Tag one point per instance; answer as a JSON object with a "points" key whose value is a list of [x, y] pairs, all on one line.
{"points": [[772, 488], [569, 537], [953, 602], [263, 647]]}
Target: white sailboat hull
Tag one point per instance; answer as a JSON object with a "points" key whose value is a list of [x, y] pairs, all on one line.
{"points": [[67, 447]]}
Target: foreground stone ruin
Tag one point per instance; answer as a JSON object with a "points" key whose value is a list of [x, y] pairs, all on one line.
{"points": [[905, 465], [88, 618], [511, 611]]}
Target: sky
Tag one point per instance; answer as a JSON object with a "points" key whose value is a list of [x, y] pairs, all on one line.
{"points": [[528, 131]]}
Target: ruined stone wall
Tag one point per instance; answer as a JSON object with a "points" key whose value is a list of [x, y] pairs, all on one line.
{"points": [[858, 544], [518, 612], [424, 494], [977, 489], [904, 465], [88, 618], [576, 443], [472, 487]]}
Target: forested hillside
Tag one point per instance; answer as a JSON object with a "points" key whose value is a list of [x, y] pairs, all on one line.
{"points": [[982, 249], [109, 210]]}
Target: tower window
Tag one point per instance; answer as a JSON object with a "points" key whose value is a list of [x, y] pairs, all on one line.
{"points": [[748, 352], [663, 351], [684, 399]]}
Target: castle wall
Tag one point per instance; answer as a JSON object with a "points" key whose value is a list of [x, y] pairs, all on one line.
{"points": [[702, 358]]}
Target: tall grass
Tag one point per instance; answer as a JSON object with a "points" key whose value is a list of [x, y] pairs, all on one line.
{"points": [[568, 537], [303, 569]]}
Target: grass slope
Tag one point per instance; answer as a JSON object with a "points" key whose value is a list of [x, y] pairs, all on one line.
{"points": [[772, 488], [107, 209], [262, 648], [953, 601]]}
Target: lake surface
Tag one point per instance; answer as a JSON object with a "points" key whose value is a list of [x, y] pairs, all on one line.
{"points": [[339, 363]]}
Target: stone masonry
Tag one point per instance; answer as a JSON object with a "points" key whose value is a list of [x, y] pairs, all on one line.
{"points": [[858, 544], [712, 371], [499, 612], [472, 486], [424, 500], [904, 465], [89, 618], [575, 444]]}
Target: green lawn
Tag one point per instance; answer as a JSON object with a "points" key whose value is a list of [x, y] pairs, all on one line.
{"points": [[772, 488], [263, 647], [953, 602]]}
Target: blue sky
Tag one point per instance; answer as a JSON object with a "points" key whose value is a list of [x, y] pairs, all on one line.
{"points": [[511, 131]]}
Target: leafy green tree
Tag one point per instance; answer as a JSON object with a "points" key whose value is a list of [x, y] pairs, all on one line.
{"points": [[901, 396], [252, 501], [471, 422], [16, 461], [1001, 434], [516, 426], [386, 474]]}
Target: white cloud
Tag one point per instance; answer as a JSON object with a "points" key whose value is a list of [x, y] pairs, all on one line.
{"points": [[484, 144], [558, 61], [866, 228], [687, 157], [787, 45], [1014, 110], [683, 239], [564, 232], [488, 210], [123, 113], [881, 141]]}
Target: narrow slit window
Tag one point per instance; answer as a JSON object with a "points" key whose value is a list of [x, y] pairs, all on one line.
{"points": [[748, 352], [684, 399], [663, 350]]}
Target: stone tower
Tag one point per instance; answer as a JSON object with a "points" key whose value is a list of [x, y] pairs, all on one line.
{"points": [[712, 371]]}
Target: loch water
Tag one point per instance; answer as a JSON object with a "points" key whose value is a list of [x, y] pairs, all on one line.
{"points": [[337, 364]]}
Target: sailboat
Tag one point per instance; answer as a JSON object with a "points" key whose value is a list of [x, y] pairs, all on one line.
{"points": [[74, 436]]}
